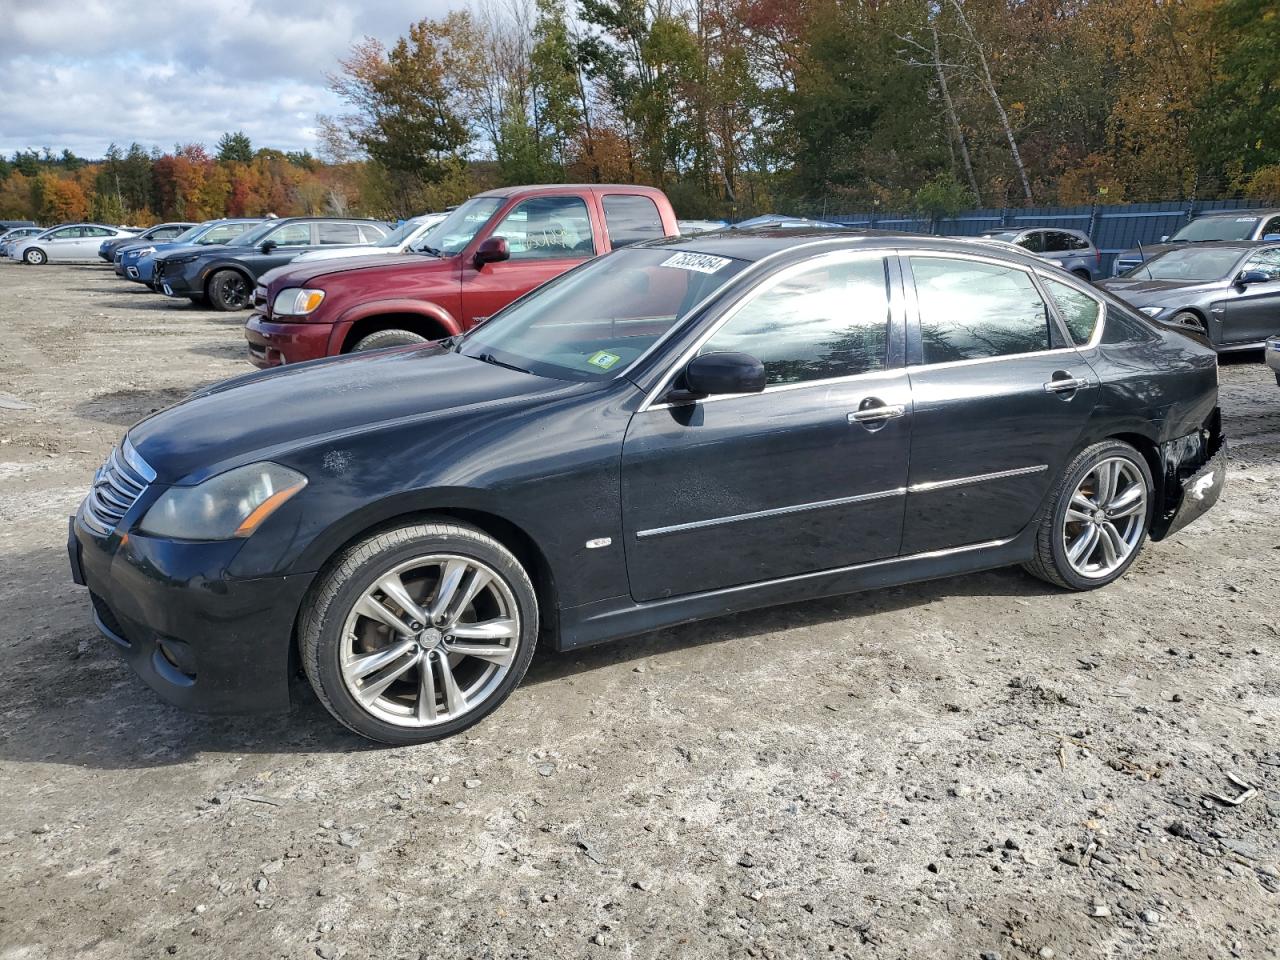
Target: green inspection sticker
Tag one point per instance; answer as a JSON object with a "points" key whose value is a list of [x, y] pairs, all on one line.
{"points": [[603, 359]]}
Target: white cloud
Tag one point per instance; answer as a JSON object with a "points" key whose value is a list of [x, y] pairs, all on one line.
{"points": [[82, 74]]}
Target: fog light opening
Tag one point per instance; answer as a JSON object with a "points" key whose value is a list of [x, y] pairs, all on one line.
{"points": [[177, 655]]}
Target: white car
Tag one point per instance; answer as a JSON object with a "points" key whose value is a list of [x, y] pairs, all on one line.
{"points": [[12, 236], [70, 241], [400, 240]]}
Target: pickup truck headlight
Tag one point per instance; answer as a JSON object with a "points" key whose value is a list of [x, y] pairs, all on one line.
{"points": [[230, 505], [1152, 311], [295, 302]]}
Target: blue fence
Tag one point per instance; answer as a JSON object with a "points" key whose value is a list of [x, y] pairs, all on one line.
{"points": [[1112, 228]]}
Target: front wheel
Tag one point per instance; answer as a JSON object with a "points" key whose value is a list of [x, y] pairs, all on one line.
{"points": [[419, 632], [387, 338], [229, 290], [1095, 525], [36, 257]]}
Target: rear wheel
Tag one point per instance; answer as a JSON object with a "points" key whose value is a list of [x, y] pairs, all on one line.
{"points": [[36, 257], [1095, 525], [419, 632], [229, 290], [387, 338]]}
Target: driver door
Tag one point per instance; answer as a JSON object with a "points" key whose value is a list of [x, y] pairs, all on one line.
{"points": [[809, 474], [1251, 314]]}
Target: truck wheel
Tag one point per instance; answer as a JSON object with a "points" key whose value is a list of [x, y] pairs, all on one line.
{"points": [[229, 290], [387, 338], [35, 256]]}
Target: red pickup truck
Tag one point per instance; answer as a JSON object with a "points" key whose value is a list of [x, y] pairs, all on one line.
{"points": [[486, 253]]}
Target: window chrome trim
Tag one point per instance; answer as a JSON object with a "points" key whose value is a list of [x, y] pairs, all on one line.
{"points": [[932, 485], [783, 387], [664, 382], [775, 512], [1001, 358]]}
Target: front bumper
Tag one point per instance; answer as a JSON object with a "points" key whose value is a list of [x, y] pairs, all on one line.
{"points": [[202, 640], [273, 344], [178, 279]]}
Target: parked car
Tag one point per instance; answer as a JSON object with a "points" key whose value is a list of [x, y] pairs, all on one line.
{"points": [[681, 429], [160, 232], [1229, 292], [73, 241], [14, 234], [137, 262], [1228, 225], [1272, 355], [1070, 249], [403, 239], [224, 276], [687, 228], [490, 250]]}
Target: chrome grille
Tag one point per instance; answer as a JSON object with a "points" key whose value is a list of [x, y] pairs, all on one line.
{"points": [[116, 487]]}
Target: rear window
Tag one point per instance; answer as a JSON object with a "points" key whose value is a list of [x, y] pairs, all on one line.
{"points": [[631, 219]]}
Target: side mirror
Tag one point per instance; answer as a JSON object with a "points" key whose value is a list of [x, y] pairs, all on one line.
{"points": [[492, 250], [1252, 276], [268, 246], [719, 373]]}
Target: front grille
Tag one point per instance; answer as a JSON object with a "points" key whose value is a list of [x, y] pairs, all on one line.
{"points": [[260, 301], [116, 487]]}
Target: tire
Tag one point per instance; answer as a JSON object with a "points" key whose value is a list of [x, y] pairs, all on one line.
{"points": [[387, 338], [229, 290], [1083, 275], [36, 257], [344, 623], [1063, 533]]}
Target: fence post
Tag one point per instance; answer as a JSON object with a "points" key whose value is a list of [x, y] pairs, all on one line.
{"points": [[1004, 216], [1093, 220]]}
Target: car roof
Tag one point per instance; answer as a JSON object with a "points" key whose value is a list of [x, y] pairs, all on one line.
{"points": [[1228, 214], [1241, 245], [572, 188], [315, 219]]}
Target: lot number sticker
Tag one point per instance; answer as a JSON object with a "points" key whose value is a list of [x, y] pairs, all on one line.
{"points": [[698, 262], [603, 359]]}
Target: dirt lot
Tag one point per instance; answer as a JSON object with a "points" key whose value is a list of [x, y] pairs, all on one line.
{"points": [[978, 766]]}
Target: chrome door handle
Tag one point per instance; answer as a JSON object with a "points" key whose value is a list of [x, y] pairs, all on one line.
{"points": [[1066, 385], [878, 414]]}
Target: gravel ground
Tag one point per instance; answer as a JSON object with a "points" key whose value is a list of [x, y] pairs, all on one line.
{"points": [[972, 767]]}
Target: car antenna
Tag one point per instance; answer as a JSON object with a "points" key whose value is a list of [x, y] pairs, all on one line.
{"points": [[1143, 258]]}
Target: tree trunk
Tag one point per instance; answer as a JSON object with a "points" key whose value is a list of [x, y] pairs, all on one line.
{"points": [[952, 119]]}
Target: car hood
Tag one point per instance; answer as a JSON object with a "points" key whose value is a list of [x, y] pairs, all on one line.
{"points": [[1150, 293], [297, 274], [263, 415]]}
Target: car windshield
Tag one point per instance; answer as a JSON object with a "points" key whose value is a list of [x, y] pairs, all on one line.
{"points": [[1217, 228], [451, 235], [191, 233], [1187, 265], [594, 322]]}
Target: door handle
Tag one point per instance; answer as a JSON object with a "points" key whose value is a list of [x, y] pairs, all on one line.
{"points": [[1066, 384], [878, 414]]}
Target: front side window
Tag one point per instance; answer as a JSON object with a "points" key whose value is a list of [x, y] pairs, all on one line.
{"points": [[66, 233], [1266, 261], [165, 233], [631, 219], [1079, 311], [593, 322], [224, 233], [292, 235], [970, 311], [548, 228], [828, 320], [1271, 229]]}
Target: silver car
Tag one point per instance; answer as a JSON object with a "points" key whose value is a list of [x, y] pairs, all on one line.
{"points": [[70, 241], [404, 239], [8, 237], [1070, 249]]}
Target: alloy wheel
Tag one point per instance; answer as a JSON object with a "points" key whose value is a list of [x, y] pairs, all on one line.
{"points": [[234, 291], [1106, 518], [430, 640]]}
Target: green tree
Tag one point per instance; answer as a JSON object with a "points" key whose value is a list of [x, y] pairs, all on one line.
{"points": [[235, 146]]}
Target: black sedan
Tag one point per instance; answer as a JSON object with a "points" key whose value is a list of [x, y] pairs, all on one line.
{"points": [[1230, 292], [677, 430]]}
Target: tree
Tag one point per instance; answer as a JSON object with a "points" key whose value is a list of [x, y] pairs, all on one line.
{"points": [[235, 146]]}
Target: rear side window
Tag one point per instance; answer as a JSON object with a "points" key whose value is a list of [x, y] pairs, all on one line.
{"points": [[165, 233], [970, 311], [1078, 243], [1056, 242], [1079, 311], [1033, 241], [292, 235], [333, 233], [829, 320], [630, 219]]}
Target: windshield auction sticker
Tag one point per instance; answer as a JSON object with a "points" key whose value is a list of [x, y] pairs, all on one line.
{"points": [[603, 359], [698, 262]]}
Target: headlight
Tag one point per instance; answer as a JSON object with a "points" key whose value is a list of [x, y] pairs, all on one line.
{"points": [[297, 303], [1152, 311], [174, 261], [142, 251], [232, 504]]}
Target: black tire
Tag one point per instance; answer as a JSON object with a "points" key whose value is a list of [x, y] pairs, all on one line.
{"points": [[1083, 274], [1191, 320], [387, 338], [229, 290], [35, 257], [1051, 562], [345, 579]]}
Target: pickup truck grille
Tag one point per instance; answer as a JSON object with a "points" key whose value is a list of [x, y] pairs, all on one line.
{"points": [[116, 487], [259, 304]]}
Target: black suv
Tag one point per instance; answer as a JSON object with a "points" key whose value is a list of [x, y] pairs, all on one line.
{"points": [[224, 276]]}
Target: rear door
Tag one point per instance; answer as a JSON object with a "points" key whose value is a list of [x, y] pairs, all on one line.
{"points": [[290, 239], [806, 476], [546, 235], [1000, 397], [1251, 314]]}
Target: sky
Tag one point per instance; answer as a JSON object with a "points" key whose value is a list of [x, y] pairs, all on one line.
{"points": [[81, 74]]}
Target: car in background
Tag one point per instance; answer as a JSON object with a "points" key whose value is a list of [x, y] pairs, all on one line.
{"points": [[677, 430], [1070, 249], [224, 276], [137, 262], [403, 239], [1272, 356], [492, 249], [1228, 292], [14, 234], [1214, 227], [688, 228], [160, 232], [73, 241]]}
